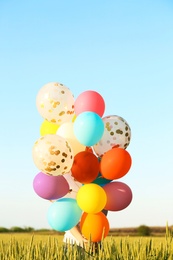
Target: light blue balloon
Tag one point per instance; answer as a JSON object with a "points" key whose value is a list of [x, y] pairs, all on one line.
{"points": [[88, 128], [63, 214]]}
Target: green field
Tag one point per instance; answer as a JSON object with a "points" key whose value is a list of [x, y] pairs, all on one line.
{"points": [[43, 246]]}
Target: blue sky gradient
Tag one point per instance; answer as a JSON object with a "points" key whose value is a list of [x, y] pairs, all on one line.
{"points": [[123, 50]]}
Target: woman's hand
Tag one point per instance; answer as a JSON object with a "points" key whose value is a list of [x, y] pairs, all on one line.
{"points": [[82, 241]]}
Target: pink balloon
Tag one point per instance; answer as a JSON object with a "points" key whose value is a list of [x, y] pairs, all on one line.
{"points": [[89, 101], [119, 196], [50, 187]]}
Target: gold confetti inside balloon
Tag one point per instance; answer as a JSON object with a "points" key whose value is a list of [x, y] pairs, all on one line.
{"points": [[53, 155], [117, 133], [55, 103]]}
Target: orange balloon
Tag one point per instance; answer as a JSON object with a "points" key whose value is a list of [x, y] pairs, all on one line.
{"points": [[94, 227], [85, 167], [115, 163]]}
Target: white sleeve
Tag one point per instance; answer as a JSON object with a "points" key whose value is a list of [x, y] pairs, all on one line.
{"points": [[69, 238]]}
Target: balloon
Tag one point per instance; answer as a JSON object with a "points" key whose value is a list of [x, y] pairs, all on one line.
{"points": [[119, 196], [50, 187], [52, 155], [48, 128], [115, 163], [55, 103], [85, 167], [89, 101], [74, 118], [91, 198], [64, 214], [88, 149], [74, 186], [101, 181], [94, 227], [67, 132], [88, 128], [117, 133]]}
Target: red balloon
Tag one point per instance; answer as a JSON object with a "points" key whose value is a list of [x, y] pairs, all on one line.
{"points": [[115, 163], [89, 149], [94, 227], [89, 101], [119, 196], [85, 167]]}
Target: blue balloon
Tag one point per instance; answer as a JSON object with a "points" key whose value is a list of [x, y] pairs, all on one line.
{"points": [[64, 214], [88, 128], [101, 181]]}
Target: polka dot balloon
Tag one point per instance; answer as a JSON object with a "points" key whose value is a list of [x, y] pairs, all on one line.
{"points": [[53, 155], [117, 133], [55, 103]]}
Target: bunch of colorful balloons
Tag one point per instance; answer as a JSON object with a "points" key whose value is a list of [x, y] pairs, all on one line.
{"points": [[80, 155]]}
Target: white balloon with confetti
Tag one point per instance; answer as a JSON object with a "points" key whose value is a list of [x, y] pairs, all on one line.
{"points": [[53, 155], [117, 133], [55, 103]]}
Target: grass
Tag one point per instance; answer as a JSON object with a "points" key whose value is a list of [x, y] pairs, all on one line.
{"points": [[36, 246]]}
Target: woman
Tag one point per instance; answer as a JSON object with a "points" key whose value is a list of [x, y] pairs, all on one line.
{"points": [[74, 236]]}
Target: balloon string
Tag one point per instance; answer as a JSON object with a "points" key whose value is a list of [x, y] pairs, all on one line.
{"points": [[72, 191], [77, 185]]}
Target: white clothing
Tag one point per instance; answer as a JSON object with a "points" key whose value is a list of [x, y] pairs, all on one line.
{"points": [[69, 238]]}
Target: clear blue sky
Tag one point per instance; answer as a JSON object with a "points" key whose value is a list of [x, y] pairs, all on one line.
{"points": [[123, 50]]}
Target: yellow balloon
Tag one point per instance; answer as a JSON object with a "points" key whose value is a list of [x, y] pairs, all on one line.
{"points": [[48, 128], [74, 118], [91, 198]]}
